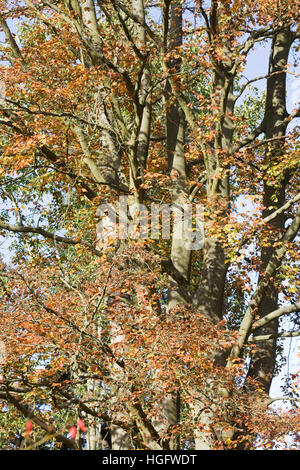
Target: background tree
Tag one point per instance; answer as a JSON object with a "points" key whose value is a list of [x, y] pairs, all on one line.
{"points": [[150, 343]]}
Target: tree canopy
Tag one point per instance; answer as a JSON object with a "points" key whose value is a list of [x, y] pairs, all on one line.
{"points": [[132, 338]]}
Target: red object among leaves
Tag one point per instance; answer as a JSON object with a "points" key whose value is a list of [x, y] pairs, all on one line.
{"points": [[73, 432], [81, 425], [28, 427]]}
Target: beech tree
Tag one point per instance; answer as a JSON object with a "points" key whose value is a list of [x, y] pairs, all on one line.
{"points": [[137, 341]]}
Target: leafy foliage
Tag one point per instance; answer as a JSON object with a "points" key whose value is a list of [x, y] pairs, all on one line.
{"points": [[143, 338]]}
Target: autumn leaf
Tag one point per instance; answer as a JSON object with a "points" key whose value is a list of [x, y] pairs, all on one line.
{"points": [[28, 427], [81, 425], [73, 432]]}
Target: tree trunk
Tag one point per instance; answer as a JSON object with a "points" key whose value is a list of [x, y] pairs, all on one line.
{"points": [[263, 361], [180, 249]]}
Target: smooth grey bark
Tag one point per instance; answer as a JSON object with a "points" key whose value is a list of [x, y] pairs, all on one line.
{"points": [[209, 296], [175, 127], [120, 439], [94, 439], [144, 104], [181, 259], [180, 250], [173, 33], [275, 125], [203, 415]]}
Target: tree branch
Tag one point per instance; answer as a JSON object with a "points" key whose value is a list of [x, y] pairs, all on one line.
{"points": [[258, 295], [11, 40], [47, 234], [287, 334], [26, 411], [272, 400], [275, 314]]}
